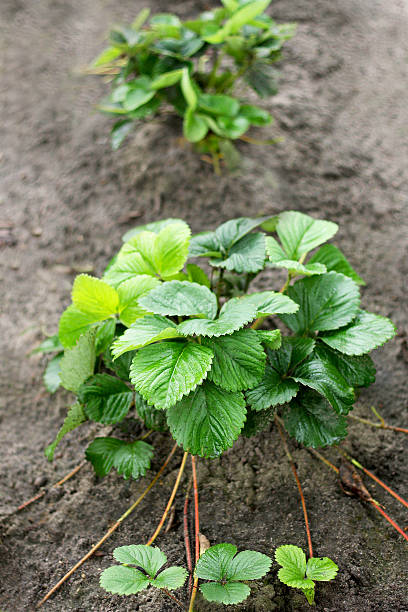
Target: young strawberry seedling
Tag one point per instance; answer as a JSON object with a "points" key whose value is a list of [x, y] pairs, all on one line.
{"points": [[190, 69], [159, 338]]}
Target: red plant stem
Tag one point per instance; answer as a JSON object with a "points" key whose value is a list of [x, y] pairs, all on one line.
{"points": [[380, 425], [299, 486], [197, 531], [32, 500], [170, 502], [187, 539], [374, 477], [178, 602], [326, 461], [389, 519], [110, 530]]}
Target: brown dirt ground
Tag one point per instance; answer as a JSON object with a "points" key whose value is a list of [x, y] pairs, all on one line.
{"points": [[343, 115]]}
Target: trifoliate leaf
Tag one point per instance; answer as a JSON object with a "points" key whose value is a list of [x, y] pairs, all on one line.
{"points": [[208, 421], [74, 419], [312, 422], [181, 298], [122, 580], [78, 362], [205, 244], [129, 459], [271, 302], [152, 418], [271, 338], [293, 562], [228, 594], [321, 568], [245, 256], [300, 233], [164, 372], [73, 324], [106, 399], [213, 563], [359, 371], [126, 267], [52, 374], [279, 259], [150, 558], [319, 373], [292, 351], [155, 226], [235, 313], [94, 297], [326, 302], [129, 293], [334, 260], [232, 231], [248, 565], [197, 275], [239, 360], [170, 578], [151, 328], [49, 345], [365, 333], [273, 390]]}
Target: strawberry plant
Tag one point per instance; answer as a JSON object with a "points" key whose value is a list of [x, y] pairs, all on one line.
{"points": [[190, 68]]}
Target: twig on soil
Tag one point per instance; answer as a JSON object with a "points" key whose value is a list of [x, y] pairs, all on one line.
{"points": [[170, 502], [299, 486], [110, 530], [197, 531], [381, 423], [187, 538]]}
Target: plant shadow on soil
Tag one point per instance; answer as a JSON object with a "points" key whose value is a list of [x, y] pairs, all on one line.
{"points": [[66, 201]]}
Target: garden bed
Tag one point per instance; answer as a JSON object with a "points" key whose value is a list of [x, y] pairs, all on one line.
{"points": [[67, 199]]}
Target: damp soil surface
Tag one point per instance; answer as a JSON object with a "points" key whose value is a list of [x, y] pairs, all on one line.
{"points": [[66, 199]]}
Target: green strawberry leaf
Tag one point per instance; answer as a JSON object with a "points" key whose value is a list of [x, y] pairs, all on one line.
{"points": [[152, 418], [49, 345], [205, 244], [257, 421], [271, 302], [170, 578], [300, 233], [150, 558], [365, 333], [311, 421], [239, 360], [74, 323], [126, 267], [214, 562], [155, 226], [171, 248], [358, 371], [129, 459], [218, 419], [78, 362], [279, 259], [292, 351], [164, 372], [142, 332], [75, 417], [94, 297], [245, 256], [334, 260], [197, 275], [181, 298], [195, 127], [232, 231], [293, 570], [228, 594], [321, 568], [326, 302], [273, 390], [122, 580], [235, 313], [129, 293], [51, 376], [105, 332], [270, 338], [248, 565], [106, 399]]}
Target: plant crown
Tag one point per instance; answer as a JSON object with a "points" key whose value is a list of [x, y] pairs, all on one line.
{"points": [[158, 336], [219, 565], [191, 68]]}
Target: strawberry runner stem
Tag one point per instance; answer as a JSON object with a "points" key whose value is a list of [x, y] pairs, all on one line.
{"points": [[299, 486], [380, 425], [197, 531], [110, 530], [187, 538]]}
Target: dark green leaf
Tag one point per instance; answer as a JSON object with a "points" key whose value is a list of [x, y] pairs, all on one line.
{"points": [[271, 338], [273, 390], [245, 256], [262, 77], [106, 399], [257, 421], [74, 419], [365, 333], [129, 459], [358, 371], [291, 352], [105, 333], [197, 275], [152, 418], [330, 256]]}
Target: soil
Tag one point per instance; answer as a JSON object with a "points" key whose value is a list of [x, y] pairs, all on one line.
{"points": [[66, 199]]}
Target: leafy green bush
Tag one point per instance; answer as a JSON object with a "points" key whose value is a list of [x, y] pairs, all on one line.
{"points": [[158, 336], [191, 68]]}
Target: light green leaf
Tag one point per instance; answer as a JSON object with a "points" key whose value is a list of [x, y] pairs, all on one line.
{"points": [[218, 419], [140, 19], [49, 345], [270, 303], [171, 248], [271, 338], [195, 127], [326, 302], [138, 95], [321, 568], [239, 360], [273, 390], [147, 330], [255, 115], [213, 564], [105, 333], [129, 459], [155, 226], [167, 79], [52, 374], [247, 255], [293, 562], [365, 333], [229, 593], [235, 313], [245, 14], [330, 256], [205, 244], [310, 595], [300, 233], [359, 371], [122, 580], [78, 362], [188, 90], [170, 578], [94, 297], [248, 565], [126, 267], [75, 417], [278, 259], [72, 324], [129, 293], [233, 127], [106, 399], [181, 298], [164, 372], [320, 374], [197, 275], [312, 422], [149, 558], [218, 104], [107, 56]]}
